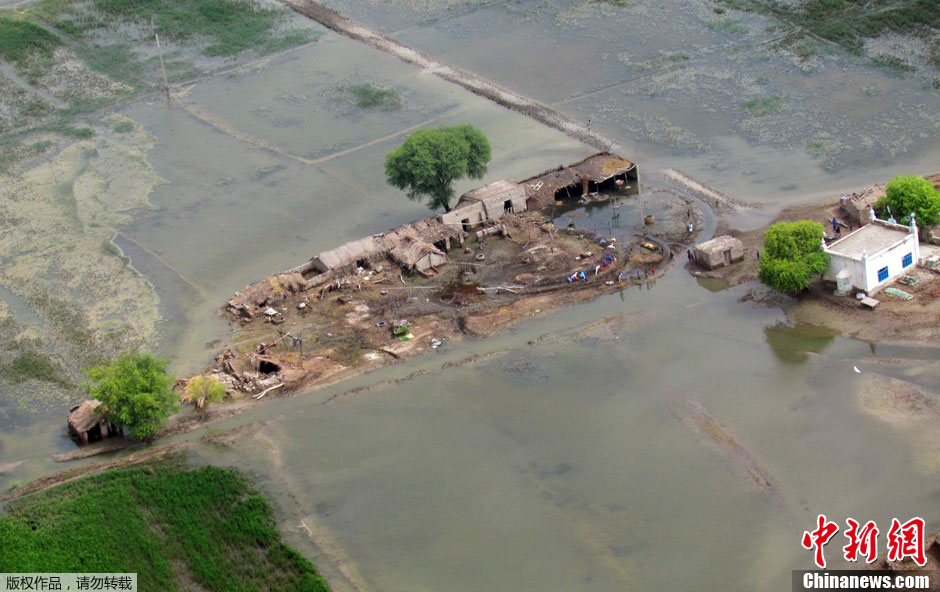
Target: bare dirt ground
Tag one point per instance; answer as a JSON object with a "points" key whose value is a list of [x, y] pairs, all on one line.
{"points": [[347, 324]]}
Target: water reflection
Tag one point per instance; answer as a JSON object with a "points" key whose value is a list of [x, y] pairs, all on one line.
{"points": [[792, 343]]}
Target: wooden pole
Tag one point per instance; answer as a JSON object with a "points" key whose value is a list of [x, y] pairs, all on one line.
{"points": [[166, 83]]}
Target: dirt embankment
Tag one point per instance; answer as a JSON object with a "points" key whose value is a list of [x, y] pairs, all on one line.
{"points": [[53, 480]]}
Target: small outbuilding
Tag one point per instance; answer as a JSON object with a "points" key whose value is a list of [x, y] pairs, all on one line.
{"points": [[87, 425], [718, 252], [872, 256], [858, 205], [490, 202]]}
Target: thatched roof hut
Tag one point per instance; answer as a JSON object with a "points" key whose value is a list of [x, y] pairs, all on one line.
{"points": [[265, 293], [572, 181], [87, 425], [349, 254]]}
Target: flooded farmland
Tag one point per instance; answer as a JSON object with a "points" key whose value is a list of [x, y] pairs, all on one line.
{"points": [[682, 86], [596, 447]]}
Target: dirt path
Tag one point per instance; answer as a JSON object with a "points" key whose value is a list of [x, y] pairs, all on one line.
{"points": [[542, 113], [61, 477]]}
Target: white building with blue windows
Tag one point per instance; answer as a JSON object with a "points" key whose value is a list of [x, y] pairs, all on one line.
{"points": [[871, 257]]}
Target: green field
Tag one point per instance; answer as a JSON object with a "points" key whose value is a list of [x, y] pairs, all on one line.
{"points": [[19, 39], [229, 26], [849, 22], [177, 528]]}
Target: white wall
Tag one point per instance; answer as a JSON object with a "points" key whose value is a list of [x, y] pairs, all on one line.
{"points": [[865, 272], [892, 258]]}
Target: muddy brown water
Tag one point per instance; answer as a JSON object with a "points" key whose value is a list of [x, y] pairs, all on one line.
{"points": [[564, 460]]}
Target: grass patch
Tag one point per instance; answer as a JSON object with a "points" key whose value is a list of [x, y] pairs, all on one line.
{"points": [[817, 148], [64, 129], [849, 22], [292, 39], [232, 26], [806, 48], [123, 127], [663, 58], [728, 25], [40, 146], [893, 64], [110, 248], [933, 54], [762, 106], [371, 96], [20, 40], [32, 365], [166, 523], [116, 61]]}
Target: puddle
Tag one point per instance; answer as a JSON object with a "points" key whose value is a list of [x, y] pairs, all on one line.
{"points": [[712, 284]]}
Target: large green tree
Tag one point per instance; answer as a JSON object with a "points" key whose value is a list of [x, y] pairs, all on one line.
{"points": [[429, 161], [135, 391], [907, 194], [792, 255]]}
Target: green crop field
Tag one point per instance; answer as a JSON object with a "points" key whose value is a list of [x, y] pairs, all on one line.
{"points": [[173, 526]]}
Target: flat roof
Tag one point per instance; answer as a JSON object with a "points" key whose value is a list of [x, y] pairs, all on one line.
{"points": [[872, 238]]}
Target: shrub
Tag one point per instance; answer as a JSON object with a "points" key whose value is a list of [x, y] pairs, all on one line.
{"points": [[792, 255]]}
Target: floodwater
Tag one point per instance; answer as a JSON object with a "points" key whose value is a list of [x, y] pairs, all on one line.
{"points": [[567, 458], [569, 463], [671, 81]]}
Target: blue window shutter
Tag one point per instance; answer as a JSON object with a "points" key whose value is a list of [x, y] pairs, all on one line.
{"points": [[908, 260], [883, 274]]}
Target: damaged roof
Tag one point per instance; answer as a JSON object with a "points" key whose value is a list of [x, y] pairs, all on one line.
{"points": [[597, 168], [349, 253], [719, 243], [85, 416], [496, 189]]}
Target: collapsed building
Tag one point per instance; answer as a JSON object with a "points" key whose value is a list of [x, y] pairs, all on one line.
{"points": [[422, 246], [598, 172]]}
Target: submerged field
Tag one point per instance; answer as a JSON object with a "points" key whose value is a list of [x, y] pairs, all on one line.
{"points": [[177, 528], [765, 100], [72, 171], [546, 457]]}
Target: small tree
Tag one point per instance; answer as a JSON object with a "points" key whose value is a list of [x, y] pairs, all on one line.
{"points": [[907, 194], [202, 390], [430, 161], [792, 255], [135, 392]]}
